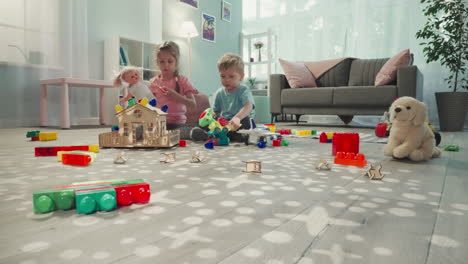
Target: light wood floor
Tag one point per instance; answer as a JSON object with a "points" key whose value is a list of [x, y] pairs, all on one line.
{"points": [[215, 213]]}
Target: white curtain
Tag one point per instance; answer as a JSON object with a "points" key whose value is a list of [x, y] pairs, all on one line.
{"points": [[40, 40], [325, 29]]}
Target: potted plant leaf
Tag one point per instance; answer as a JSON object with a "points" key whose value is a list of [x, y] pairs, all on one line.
{"points": [[445, 36], [252, 82]]}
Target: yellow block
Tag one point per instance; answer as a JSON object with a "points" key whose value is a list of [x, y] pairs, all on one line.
{"points": [[330, 135], [144, 101], [94, 148], [118, 108], [46, 136]]}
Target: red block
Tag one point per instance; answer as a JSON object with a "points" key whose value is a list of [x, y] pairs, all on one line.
{"points": [[35, 139], [350, 159], [223, 122], [182, 143], [345, 142], [323, 138], [132, 193], [46, 151], [276, 142], [381, 130], [76, 159]]}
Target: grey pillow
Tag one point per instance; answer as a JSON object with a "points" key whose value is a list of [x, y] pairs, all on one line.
{"points": [[363, 71], [336, 76]]}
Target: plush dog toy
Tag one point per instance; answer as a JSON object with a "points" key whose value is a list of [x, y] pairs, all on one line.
{"points": [[410, 137]]}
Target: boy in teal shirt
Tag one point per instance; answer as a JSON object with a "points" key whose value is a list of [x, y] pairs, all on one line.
{"points": [[233, 101]]}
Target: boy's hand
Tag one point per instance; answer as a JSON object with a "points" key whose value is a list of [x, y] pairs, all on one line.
{"points": [[235, 123]]}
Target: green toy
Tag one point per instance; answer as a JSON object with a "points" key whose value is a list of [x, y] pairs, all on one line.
{"points": [[219, 136], [51, 200], [88, 202], [452, 148]]}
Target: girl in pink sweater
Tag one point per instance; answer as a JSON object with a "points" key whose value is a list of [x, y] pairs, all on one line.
{"points": [[170, 88]]}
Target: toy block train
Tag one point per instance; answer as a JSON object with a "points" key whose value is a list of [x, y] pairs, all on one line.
{"points": [[37, 135], [91, 197]]}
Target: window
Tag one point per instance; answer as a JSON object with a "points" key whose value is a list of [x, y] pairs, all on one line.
{"points": [[137, 113]]}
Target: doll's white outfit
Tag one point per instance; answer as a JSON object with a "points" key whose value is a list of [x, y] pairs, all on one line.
{"points": [[140, 90]]}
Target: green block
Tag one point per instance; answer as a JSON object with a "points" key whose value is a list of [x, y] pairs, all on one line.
{"points": [[32, 133], [123, 182], [51, 200], [284, 142], [98, 181], [451, 148], [88, 202], [313, 132], [131, 102], [89, 187]]}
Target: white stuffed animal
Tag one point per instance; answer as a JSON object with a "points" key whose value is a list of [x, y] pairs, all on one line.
{"points": [[409, 136]]}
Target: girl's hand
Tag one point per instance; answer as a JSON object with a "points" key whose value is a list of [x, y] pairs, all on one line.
{"points": [[155, 86]]}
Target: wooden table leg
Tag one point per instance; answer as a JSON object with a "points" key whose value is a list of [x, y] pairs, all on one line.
{"points": [[65, 108], [43, 106]]}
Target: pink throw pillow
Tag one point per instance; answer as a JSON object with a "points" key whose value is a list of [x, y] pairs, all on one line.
{"points": [[388, 73], [297, 74]]}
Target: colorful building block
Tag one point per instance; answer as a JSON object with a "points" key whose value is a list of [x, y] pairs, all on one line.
{"points": [[381, 130], [115, 128], [276, 143], [52, 151], [132, 193], [99, 199], [35, 139], [209, 145], [182, 143], [118, 108], [51, 200], [131, 102], [350, 159], [47, 136], [76, 159], [90, 153], [284, 142], [345, 142], [32, 133]]}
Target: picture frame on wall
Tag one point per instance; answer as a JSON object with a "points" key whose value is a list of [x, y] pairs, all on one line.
{"points": [[226, 9], [192, 3], [208, 27]]}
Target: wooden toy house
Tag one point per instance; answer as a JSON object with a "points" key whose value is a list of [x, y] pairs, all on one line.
{"points": [[140, 126]]}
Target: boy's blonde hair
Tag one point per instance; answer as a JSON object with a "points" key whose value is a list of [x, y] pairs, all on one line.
{"points": [[121, 74], [173, 49], [230, 60]]}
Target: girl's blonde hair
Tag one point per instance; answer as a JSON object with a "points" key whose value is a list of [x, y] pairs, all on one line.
{"points": [[173, 49], [121, 74]]}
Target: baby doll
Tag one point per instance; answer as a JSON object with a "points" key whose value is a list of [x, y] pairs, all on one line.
{"points": [[135, 86]]}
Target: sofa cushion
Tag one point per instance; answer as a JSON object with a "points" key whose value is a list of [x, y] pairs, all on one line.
{"points": [[388, 72], [364, 95], [297, 74], [363, 71], [307, 96], [336, 76]]}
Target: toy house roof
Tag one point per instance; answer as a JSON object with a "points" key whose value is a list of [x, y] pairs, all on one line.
{"points": [[149, 108]]}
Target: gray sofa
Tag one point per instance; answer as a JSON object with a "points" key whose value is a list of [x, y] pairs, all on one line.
{"points": [[345, 90]]}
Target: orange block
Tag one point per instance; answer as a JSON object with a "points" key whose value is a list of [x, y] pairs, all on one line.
{"points": [[350, 159]]}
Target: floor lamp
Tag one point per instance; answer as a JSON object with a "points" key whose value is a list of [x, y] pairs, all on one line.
{"points": [[189, 31]]}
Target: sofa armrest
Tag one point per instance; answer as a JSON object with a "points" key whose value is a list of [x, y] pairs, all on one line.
{"points": [[409, 81], [278, 82]]}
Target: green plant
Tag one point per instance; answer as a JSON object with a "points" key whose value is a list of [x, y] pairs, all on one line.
{"points": [[258, 45], [446, 36], [251, 81]]}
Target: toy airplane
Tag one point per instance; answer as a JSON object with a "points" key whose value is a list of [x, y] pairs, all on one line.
{"points": [[259, 134]]}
